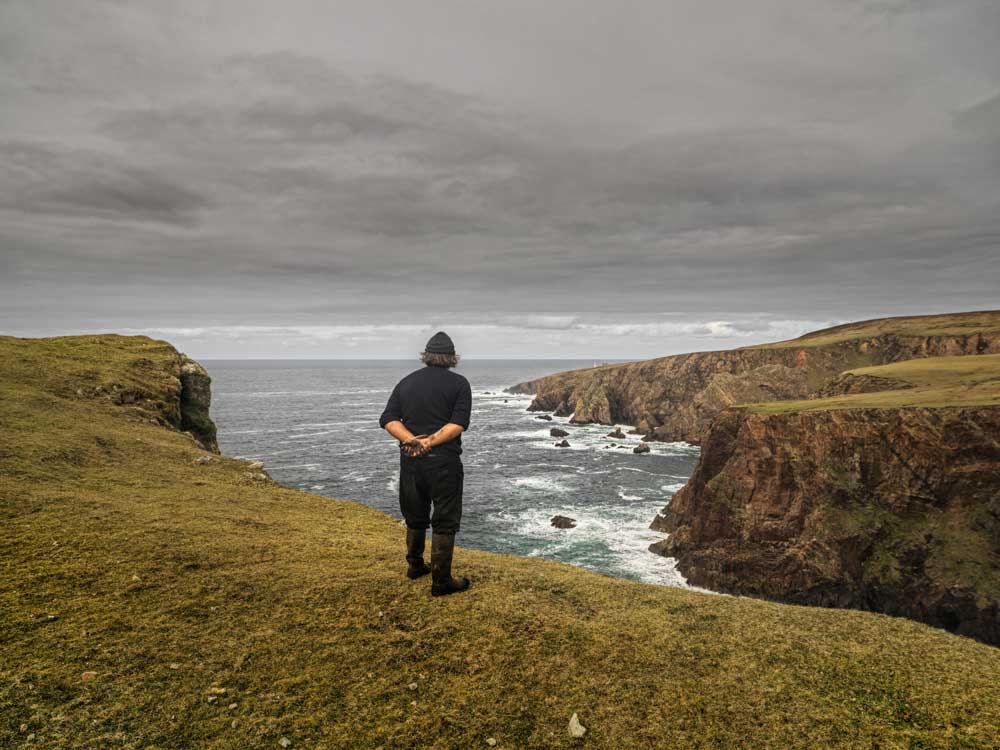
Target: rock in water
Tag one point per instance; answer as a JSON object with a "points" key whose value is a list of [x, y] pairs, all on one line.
{"points": [[556, 432], [576, 729], [617, 433], [641, 448], [564, 443], [546, 417], [563, 522]]}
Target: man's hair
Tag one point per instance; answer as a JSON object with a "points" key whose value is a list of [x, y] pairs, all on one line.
{"points": [[434, 359]]}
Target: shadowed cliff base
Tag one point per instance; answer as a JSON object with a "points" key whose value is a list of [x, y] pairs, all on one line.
{"points": [[154, 594]]}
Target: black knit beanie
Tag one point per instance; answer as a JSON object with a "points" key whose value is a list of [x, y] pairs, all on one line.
{"points": [[440, 343]]}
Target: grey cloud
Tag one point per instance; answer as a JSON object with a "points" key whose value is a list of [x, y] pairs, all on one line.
{"points": [[87, 184], [805, 159], [438, 164], [982, 121]]}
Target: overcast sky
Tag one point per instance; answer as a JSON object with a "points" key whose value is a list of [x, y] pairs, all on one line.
{"points": [[551, 178]]}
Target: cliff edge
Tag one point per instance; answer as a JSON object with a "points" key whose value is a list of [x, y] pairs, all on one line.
{"points": [[882, 495]]}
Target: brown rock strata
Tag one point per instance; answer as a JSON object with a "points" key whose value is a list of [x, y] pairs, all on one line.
{"points": [[891, 510]]}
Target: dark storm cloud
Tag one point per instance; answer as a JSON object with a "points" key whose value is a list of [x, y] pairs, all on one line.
{"points": [[812, 160]]}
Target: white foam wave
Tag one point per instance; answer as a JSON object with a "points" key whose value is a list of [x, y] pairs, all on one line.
{"points": [[546, 484], [623, 494], [551, 446], [645, 471], [620, 532], [340, 423], [305, 435]]}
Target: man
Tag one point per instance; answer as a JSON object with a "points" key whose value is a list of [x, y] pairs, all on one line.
{"points": [[427, 413]]}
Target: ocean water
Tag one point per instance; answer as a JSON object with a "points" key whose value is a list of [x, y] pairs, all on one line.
{"points": [[314, 423]]}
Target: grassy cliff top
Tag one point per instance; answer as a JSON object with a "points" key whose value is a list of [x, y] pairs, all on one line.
{"points": [[150, 601], [935, 382], [920, 326]]}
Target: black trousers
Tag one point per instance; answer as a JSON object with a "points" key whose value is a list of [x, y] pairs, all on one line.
{"points": [[430, 492]]}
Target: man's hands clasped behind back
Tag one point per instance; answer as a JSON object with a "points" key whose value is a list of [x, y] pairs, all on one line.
{"points": [[417, 447]]}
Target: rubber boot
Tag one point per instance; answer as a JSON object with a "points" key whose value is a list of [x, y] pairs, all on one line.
{"points": [[442, 549], [415, 539]]}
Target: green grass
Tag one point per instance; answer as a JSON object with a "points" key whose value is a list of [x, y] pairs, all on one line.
{"points": [[935, 382], [120, 556], [986, 322]]}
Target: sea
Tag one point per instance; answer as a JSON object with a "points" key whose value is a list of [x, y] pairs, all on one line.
{"points": [[314, 424]]}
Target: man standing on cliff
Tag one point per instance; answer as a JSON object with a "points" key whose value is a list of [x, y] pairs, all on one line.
{"points": [[427, 413]]}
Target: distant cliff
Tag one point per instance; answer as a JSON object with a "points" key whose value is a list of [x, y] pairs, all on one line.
{"points": [[886, 500], [858, 466], [675, 398]]}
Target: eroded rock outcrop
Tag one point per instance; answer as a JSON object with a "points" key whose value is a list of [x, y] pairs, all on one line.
{"points": [[891, 510], [195, 400]]}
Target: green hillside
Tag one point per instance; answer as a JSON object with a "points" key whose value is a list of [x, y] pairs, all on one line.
{"points": [[934, 382], [150, 601]]}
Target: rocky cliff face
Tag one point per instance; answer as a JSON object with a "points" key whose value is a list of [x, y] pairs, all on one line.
{"points": [[892, 510], [195, 400], [675, 398]]}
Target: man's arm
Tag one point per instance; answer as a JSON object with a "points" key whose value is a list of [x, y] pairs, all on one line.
{"points": [[398, 430], [411, 443], [392, 421], [447, 433]]}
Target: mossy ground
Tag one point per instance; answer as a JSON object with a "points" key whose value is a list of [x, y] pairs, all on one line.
{"points": [[934, 382], [120, 556]]}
